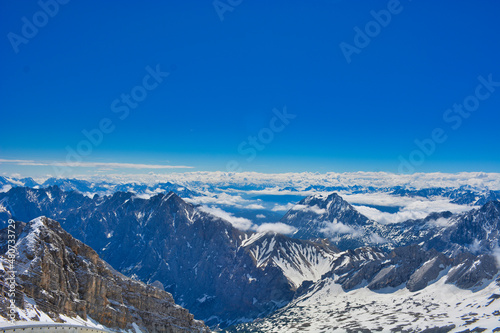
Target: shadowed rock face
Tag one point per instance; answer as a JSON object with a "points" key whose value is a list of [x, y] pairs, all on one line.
{"points": [[65, 276]]}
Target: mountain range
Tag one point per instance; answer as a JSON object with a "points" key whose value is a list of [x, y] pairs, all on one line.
{"points": [[228, 276]]}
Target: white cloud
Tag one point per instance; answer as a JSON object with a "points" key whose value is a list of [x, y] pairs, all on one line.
{"points": [[240, 223], [95, 164], [377, 239], [411, 208], [496, 254], [143, 196], [261, 216], [224, 199], [335, 228], [440, 222], [314, 209], [244, 224], [300, 181], [475, 247], [254, 206], [388, 218], [377, 199], [282, 208], [279, 227]]}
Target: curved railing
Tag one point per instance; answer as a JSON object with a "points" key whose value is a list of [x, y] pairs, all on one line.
{"points": [[49, 327]]}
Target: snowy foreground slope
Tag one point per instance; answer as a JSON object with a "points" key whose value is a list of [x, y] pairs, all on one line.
{"points": [[326, 307]]}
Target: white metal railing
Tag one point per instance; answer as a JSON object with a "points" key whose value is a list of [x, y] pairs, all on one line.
{"points": [[49, 327]]}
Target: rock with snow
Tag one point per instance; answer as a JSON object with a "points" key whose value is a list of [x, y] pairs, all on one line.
{"points": [[67, 278]]}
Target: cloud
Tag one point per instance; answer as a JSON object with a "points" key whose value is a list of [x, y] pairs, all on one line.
{"points": [[475, 247], [411, 208], [240, 223], [335, 228], [300, 183], [261, 216], [440, 222], [95, 164], [280, 228], [224, 199], [282, 208], [244, 224], [377, 239], [143, 196], [496, 253], [255, 206], [314, 209]]}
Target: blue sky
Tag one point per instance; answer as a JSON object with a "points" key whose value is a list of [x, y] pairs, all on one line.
{"points": [[225, 78]]}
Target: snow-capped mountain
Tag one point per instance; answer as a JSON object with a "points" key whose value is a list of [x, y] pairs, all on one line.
{"points": [[318, 216], [8, 182], [298, 260], [59, 278], [477, 230], [463, 195]]}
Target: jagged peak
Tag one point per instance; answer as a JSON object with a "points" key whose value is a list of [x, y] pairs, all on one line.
{"points": [[494, 204], [323, 199], [173, 199]]}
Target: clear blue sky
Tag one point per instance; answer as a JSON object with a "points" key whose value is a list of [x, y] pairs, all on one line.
{"points": [[227, 76]]}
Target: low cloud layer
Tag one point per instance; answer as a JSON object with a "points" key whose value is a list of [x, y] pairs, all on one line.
{"points": [[280, 228], [240, 223], [411, 208], [111, 165], [244, 224], [224, 199], [335, 228], [313, 209]]}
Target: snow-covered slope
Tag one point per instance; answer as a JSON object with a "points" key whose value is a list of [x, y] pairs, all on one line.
{"points": [[298, 260], [326, 307]]}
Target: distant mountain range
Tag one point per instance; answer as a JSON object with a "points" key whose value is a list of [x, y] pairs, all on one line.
{"points": [[227, 276], [332, 217], [464, 195], [100, 188]]}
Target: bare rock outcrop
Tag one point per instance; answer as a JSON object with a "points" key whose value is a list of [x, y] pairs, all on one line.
{"points": [[65, 276]]}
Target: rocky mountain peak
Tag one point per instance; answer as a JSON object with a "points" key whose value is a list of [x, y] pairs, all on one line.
{"points": [[66, 277], [491, 207], [320, 216]]}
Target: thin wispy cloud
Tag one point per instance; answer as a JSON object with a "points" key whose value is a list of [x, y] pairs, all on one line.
{"points": [[112, 165]]}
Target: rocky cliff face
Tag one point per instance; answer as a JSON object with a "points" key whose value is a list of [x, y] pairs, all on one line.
{"points": [[64, 276]]}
